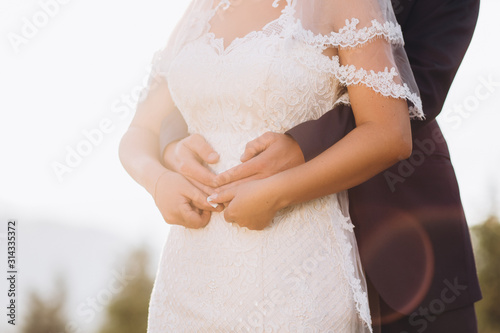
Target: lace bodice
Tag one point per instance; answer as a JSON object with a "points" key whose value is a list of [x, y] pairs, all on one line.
{"points": [[251, 86]]}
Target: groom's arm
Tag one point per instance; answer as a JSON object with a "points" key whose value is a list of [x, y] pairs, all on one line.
{"points": [[316, 136], [437, 35]]}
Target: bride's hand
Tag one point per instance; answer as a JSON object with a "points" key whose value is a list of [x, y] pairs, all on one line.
{"points": [[181, 203], [252, 204]]}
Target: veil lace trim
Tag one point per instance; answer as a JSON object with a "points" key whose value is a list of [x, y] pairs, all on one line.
{"points": [[360, 295], [351, 36], [381, 82]]}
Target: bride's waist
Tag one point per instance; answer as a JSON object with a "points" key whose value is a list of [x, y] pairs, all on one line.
{"points": [[312, 216], [235, 136], [230, 145]]}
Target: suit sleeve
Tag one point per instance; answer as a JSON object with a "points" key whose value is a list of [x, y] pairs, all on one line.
{"points": [[437, 35]]}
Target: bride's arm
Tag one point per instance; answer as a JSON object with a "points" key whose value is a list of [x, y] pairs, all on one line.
{"points": [[139, 154], [139, 146], [381, 138]]}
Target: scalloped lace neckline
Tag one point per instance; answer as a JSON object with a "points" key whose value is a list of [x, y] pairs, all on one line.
{"points": [[219, 42]]}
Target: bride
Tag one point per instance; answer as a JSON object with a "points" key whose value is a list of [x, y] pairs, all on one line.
{"points": [[282, 256]]}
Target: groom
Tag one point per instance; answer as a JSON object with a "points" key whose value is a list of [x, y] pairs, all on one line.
{"points": [[412, 234]]}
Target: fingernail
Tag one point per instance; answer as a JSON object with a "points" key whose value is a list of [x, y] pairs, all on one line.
{"points": [[213, 156], [210, 198]]}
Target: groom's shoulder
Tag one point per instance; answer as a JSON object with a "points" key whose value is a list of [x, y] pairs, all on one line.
{"points": [[411, 12]]}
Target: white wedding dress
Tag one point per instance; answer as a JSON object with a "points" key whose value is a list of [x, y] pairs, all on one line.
{"points": [[300, 274]]}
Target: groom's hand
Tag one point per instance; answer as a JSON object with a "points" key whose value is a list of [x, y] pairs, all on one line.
{"points": [[188, 157], [265, 156]]}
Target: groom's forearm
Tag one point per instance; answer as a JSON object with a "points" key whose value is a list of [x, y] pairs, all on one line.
{"points": [[316, 136]]}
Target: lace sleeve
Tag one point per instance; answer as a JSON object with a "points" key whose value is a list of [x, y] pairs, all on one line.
{"points": [[368, 44]]}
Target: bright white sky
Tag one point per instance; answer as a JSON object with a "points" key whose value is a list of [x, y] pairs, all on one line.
{"points": [[70, 74]]}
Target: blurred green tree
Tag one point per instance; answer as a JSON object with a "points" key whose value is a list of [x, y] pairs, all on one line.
{"points": [[127, 312], [486, 240], [46, 315]]}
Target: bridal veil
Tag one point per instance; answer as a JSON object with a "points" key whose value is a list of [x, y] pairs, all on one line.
{"points": [[366, 34]]}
